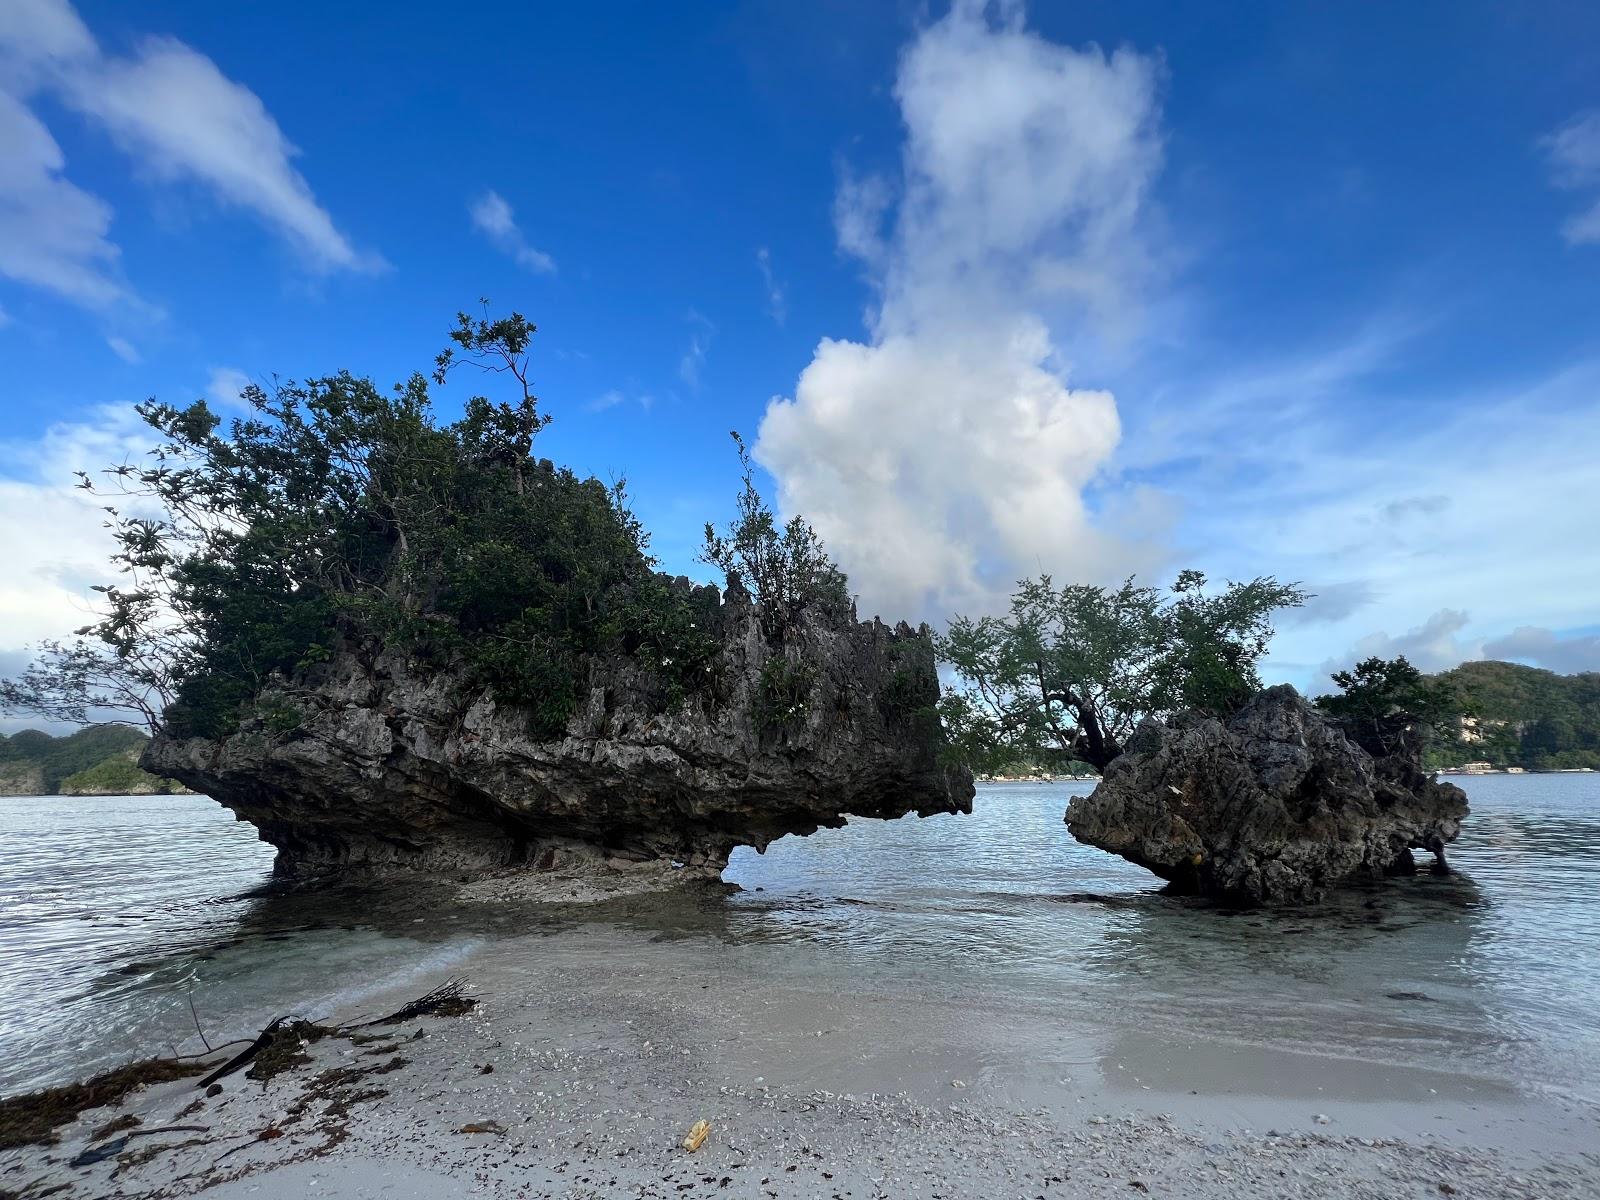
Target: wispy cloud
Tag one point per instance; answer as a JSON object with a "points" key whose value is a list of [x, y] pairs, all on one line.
{"points": [[180, 118], [616, 397], [124, 349], [492, 217], [1574, 155], [1426, 499], [53, 234], [172, 111], [777, 307], [225, 386], [701, 331], [1545, 648]]}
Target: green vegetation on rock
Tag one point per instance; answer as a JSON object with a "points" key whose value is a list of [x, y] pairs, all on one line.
{"points": [[337, 519]]}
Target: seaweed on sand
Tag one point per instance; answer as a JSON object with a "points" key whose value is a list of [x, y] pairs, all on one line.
{"points": [[35, 1117]]}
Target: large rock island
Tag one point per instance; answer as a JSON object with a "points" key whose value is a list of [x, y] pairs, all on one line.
{"points": [[1274, 804], [392, 764]]}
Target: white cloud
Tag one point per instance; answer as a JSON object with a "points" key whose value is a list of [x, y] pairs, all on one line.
{"points": [[179, 117], [1428, 499], [777, 307], [41, 36], [947, 456], [1574, 153], [615, 396], [1545, 648], [701, 331], [53, 234], [1446, 640], [225, 385], [52, 534], [493, 218], [171, 110], [124, 349], [1435, 645]]}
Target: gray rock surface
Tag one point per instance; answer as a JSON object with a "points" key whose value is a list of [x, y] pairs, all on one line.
{"points": [[1275, 804], [395, 764]]}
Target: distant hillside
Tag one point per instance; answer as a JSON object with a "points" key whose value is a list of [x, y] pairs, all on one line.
{"points": [[1525, 717], [99, 761]]}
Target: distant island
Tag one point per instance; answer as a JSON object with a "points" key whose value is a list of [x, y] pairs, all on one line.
{"points": [[1522, 717], [101, 760]]}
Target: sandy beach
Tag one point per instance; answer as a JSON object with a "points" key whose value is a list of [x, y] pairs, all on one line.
{"points": [[591, 1052]]}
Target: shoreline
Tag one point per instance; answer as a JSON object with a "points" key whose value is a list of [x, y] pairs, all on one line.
{"points": [[606, 1045]]}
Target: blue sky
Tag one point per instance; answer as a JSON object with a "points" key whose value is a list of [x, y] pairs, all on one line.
{"points": [[1303, 289]]}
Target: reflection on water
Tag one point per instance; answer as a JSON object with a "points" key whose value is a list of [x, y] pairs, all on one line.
{"points": [[116, 911]]}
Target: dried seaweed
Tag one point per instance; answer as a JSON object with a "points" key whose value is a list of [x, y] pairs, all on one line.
{"points": [[35, 1117]]}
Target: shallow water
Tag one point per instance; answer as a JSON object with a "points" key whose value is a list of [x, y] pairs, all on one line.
{"points": [[116, 913]]}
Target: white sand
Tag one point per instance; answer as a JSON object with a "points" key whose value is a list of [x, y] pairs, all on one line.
{"points": [[607, 1046]]}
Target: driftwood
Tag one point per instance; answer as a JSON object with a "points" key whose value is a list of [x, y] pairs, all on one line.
{"points": [[449, 999], [241, 1059]]}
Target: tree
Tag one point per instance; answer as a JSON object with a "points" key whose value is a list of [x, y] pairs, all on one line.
{"points": [[1071, 671], [334, 517], [1387, 707], [785, 569]]}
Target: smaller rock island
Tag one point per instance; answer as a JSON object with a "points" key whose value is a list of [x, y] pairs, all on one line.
{"points": [[1274, 804]]}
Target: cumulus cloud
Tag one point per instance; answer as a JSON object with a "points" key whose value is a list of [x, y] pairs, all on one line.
{"points": [[1445, 640], [492, 217], [1574, 154], [947, 455], [1545, 648], [172, 111]]}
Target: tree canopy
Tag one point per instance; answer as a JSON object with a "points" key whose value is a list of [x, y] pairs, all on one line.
{"points": [[784, 568], [335, 514], [1070, 671], [1387, 706]]}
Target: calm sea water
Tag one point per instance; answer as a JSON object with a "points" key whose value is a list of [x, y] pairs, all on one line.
{"points": [[117, 914]]}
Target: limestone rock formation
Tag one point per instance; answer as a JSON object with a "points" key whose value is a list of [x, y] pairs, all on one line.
{"points": [[1273, 805], [382, 762]]}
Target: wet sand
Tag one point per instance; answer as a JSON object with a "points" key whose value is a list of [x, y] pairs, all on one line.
{"points": [[608, 1043]]}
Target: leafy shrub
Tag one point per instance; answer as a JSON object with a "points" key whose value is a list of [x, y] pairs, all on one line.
{"points": [[784, 692]]}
